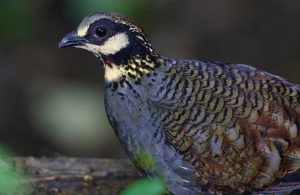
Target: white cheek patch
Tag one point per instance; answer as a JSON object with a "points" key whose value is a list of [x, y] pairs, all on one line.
{"points": [[114, 44], [113, 73], [111, 46]]}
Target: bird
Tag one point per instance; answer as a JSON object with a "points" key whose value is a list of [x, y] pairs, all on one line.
{"points": [[211, 127]]}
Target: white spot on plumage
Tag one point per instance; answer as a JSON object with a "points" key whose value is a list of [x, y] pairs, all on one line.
{"points": [[278, 117], [216, 144], [293, 131], [141, 38], [232, 133], [253, 116], [287, 124]]}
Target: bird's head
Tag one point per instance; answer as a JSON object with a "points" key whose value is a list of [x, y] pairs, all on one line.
{"points": [[116, 40]]}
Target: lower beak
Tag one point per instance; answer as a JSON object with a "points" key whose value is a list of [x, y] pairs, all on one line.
{"points": [[71, 40]]}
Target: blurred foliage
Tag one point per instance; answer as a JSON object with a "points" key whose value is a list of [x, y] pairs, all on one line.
{"points": [[16, 20], [144, 160], [155, 186], [11, 183], [79, 8], [146, 187]]}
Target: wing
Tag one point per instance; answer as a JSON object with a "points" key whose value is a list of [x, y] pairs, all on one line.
{"points": [[237, 125]]}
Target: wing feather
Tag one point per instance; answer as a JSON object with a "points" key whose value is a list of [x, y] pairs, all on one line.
{"points": [[239, 123]]}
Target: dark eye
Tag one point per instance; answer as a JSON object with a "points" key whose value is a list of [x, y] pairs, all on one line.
{"points": [[101, 31]]}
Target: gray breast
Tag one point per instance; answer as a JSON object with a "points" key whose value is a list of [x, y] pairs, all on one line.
{"points": [[133, 122]]}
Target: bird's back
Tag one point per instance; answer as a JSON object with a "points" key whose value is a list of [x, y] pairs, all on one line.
{"points": [[237, 125]]}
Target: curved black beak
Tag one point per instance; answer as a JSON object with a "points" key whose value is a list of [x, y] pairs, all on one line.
{"points": [[71, 40]]}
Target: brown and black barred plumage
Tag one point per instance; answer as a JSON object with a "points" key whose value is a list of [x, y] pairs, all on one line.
{"points": [[211, 127]]}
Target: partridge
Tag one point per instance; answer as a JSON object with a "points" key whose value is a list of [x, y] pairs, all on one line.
{"points": [[211, 127]]}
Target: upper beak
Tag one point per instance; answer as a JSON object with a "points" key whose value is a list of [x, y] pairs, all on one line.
{"points": [[71, 40]]}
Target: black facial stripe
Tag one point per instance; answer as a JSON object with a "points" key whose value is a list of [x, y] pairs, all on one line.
{"points": [[112, 29], [138, 47], [111, 26]]}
